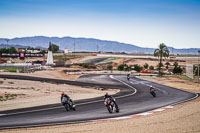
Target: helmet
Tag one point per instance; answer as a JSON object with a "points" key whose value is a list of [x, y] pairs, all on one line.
{"points": [[106, 94], [62, 93], [151, 86]]}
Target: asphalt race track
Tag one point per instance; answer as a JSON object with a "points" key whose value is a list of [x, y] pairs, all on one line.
{"points": [[133, 98]]}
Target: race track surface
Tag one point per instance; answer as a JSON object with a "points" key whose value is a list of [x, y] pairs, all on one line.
{"points": [[133, 98]]}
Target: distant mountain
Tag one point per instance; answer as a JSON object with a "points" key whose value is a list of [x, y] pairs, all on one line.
{"points": [[86, 44], [12, 45], [18, 46]]}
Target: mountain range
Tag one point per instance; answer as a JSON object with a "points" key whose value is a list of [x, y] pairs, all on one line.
{"points": [[84, 44]]}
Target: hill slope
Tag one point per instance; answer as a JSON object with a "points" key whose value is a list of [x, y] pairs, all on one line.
{"points": [[87, 44]]}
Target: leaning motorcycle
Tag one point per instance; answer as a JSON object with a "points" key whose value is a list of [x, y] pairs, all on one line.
{"points": [[153, 93], [111, 105], [68, 104]]}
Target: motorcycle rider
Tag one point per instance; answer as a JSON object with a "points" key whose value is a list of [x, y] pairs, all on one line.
{"points": [[128, 76], [68, 98], [108, 96], [151, 89]]}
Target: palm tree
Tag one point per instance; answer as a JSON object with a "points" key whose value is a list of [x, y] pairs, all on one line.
{"points": [[161, 52]]}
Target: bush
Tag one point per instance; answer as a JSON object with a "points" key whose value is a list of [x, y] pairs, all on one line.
{"points": [[89, 66], [146, 66], [177, 70], [167, 65], [175, 64], [121, 67], [137, 67], [151, 68], [109, 67]]}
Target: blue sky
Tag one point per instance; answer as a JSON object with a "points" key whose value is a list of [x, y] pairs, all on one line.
{"points": [[145, 23]]}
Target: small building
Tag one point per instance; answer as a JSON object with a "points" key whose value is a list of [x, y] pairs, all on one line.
{"points": [[33, 51], [66, 51]]}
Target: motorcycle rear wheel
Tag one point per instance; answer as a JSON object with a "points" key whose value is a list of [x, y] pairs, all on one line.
{"points": [[116, 108], [153, 94]]}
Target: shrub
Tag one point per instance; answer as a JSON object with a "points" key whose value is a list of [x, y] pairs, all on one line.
{"points": [[167, 65], [177, 70], [137, 67], [175, 64], [121, 67], [146, 66], [109, 67], [89, 66], [151, 68]]}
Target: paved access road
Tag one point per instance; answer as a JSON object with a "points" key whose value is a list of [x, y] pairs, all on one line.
{"points": [[133, 98]]}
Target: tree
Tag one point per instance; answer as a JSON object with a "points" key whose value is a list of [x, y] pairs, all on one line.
{"points": [[146, 66], [121, 67], [137, 67], [167, 65], [12, 50], [151, 68], [53, 47], [159, 65], [110, 67], [177, 70], [161, 52], [127, 68], [9, 50], [3, 50], [175, 64]]}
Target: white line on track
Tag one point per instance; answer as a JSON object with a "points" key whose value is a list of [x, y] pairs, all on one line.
{"points": [[111, 76], [122, 117], [148, 84]]}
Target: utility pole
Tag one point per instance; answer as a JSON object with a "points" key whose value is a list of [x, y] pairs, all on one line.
{"points": [[74, 46], [97, 48], [7, 40]]}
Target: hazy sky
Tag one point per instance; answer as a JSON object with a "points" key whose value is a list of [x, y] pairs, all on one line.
{"points": [[145, 23]]}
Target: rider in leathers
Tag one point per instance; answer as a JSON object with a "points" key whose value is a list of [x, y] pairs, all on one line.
{"points": [[68, 98], [151, 89], [109, 96]]}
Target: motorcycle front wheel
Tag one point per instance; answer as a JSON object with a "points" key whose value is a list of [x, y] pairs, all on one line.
{"points": [[109, 108], [67, 107]]}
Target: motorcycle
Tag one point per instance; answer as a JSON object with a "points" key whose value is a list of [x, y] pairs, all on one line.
{"points": [[111, 105], [67, 103], [128, 77], [153, 93]]}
